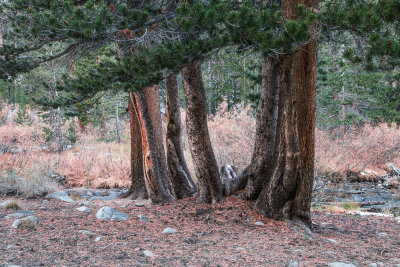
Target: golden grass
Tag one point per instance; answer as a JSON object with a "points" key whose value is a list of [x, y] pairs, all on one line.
{"points": [[106, 165]]}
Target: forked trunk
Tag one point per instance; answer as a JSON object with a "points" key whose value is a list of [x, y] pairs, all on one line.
{"points": [[206, 169], [155, 174], [177, 168]]}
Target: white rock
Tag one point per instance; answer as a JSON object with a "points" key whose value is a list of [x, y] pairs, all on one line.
{"points": [[382, 234], [60, 195], [340, 264], [83, 209], [293, 263], [259, 223], [333, 241], [108, 213], [97, 239], [169, 230], [148, 253]]}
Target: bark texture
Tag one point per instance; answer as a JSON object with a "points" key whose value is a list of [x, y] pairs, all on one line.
{"points": [[177, 168], [259, 171], [277, 197], [155, 174], [206, 169], [138, 187], [152, 97], [288, 193]]}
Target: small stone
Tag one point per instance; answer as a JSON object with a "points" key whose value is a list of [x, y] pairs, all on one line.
{"points": [[148, 253], [86, 232], [240, 248], [340, 264], [9, 247], [333, 241], [108, 213], [382, 234], [12, 265], [259, 223], [293, 263], [83, 209], [143, 218], [97, 239], [169, 230], [60, 195], [373, 265], [139, 205]]}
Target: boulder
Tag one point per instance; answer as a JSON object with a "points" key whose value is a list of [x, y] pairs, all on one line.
{"points": [[60, 195], [26, 223], [108, 213], [20, 214]]}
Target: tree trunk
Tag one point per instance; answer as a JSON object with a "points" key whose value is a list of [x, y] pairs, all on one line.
{"points": [[177, 168], [138, 187], [275, 200], [287, 195], [155, 173], [206, 169], [305, 78], [260, 169]]}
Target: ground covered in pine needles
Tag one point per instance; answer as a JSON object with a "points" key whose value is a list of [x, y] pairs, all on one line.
{"points": [[228, 233]]}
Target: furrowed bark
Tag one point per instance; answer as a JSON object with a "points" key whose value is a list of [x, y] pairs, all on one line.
{"points": [[260, 168], [206, 169], [277, 197], [155, 175], [138, 187], [152, 96], [177, 167]]}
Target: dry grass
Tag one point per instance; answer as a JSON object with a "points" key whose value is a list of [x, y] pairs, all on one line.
{"points": [[107, 165]]}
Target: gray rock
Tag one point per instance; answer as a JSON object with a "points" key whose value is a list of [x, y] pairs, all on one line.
{"points": [[143, 218], [139, 205], [97, 239], [293, 263], [60, 195], [148, 253], [108, 213], [86, 232], [340, 264], [20, 214], [333, 241], [19, 223], [169, 230], [83, 209], [373, 265], [259, 223]]}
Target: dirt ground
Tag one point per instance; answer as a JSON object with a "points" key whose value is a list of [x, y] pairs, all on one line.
{"points": [[224, 234]]}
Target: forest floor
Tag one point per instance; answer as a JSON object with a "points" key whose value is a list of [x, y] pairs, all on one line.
{"points": [[229, 233]]}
